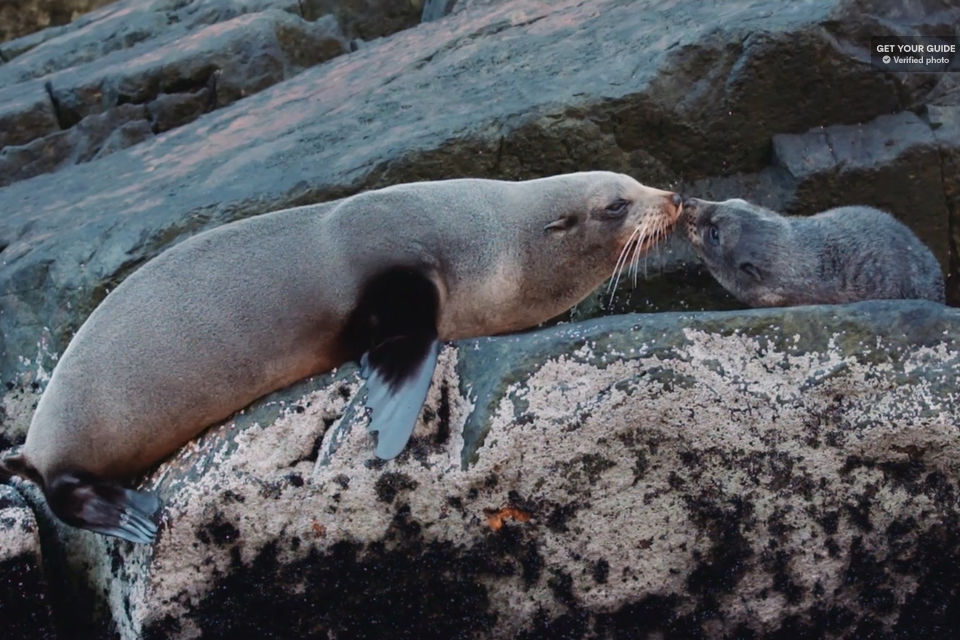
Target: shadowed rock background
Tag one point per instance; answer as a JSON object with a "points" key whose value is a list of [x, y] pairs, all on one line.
{"points": [[776, 473]]}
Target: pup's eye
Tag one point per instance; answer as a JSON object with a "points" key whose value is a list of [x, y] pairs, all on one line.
{"points": [[617, 208], [713, 235]]}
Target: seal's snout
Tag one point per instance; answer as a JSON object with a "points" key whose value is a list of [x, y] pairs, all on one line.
{"points": [[688, 219], [688, 209], [673, 206]]}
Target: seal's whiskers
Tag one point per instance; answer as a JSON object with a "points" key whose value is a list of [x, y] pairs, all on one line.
{"points": [[647, 238], [650, 240], [621, 258], [622, 262]]}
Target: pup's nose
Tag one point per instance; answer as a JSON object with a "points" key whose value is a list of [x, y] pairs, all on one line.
{"points": [[689, 202]]}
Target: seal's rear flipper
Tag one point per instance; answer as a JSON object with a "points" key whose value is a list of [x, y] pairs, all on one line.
{"points": [[398, 374], [104, 507]]}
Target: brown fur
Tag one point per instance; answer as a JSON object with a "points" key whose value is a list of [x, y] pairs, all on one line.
{"points": [[236, 312]]}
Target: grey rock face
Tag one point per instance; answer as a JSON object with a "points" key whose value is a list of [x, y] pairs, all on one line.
{"points": [[169, 84], [26, 116], [945, 123], [27, 16], [180, 59], [436, 9], [703, 475]]}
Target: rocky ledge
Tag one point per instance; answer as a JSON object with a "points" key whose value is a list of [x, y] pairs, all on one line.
{"points": [[776, 473]]}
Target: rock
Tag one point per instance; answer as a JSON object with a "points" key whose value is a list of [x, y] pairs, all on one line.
{"points": [[367, 19], [16, 409], [751, 473], [440, 8], [26, 16], [126, 135], [27, 115], [245, 55], [24, 606], [93, 136], [184, 59], [680, 97], [168, 111], [945, 122], [134, 23], [121, 25], [178, 82], [436, 9]]}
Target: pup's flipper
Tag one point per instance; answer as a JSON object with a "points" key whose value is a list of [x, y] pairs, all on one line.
{"points": [[104, 507], [398, 374]]}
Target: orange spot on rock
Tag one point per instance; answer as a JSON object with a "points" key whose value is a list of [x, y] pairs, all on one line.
{"points": [[495, 517], [319, 529]]}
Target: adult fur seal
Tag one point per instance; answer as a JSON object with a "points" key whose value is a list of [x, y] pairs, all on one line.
{"points": [[840, 255], [241, 310]]}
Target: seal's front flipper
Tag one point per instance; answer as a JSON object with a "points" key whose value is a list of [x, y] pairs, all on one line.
{"points": [[394, 327], [398, 374], [104, 507]]}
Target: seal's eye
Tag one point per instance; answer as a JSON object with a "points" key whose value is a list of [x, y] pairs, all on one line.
{"points": [[713, 235], [617, 208]]}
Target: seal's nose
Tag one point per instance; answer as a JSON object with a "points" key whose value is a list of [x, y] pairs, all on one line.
{"points": [[689, 202], [676, 199]]}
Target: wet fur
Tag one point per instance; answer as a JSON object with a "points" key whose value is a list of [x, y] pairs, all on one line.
{"points": [[840, 255]]}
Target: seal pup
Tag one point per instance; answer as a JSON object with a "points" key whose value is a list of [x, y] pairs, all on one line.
{"points": [[840, 255], [244, 309]]}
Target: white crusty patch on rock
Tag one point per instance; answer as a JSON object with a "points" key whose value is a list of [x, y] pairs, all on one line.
{"points": [[18, 534], [746, 398], [247, 485], [17, 406], [18, 402]]}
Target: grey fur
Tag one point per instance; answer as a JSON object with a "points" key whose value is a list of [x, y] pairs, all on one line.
{"points": [[840, 255], [238, 311]]}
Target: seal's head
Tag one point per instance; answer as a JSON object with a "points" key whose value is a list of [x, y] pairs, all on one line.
{"points": [[610, 222], [741, 244]]}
